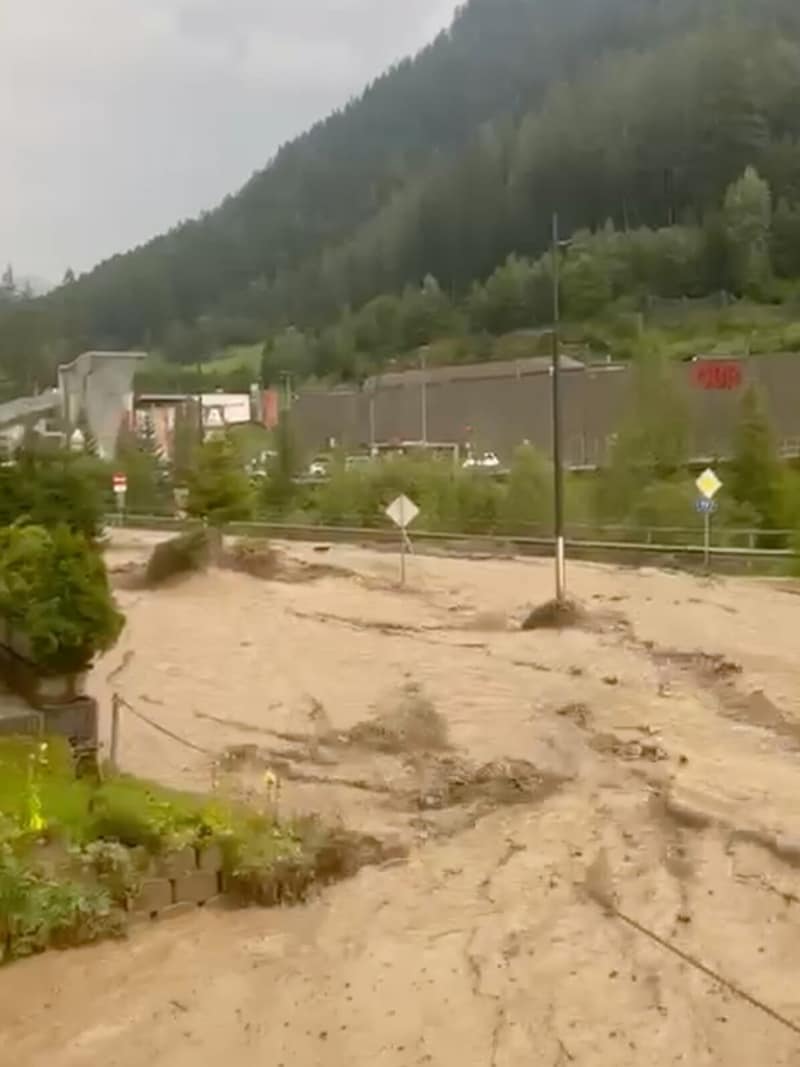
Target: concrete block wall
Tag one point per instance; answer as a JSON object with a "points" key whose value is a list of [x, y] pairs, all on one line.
{"points": [[178, 883]]}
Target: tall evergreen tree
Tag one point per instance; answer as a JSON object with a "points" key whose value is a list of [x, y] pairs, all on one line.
{"points": [[748, 217], [138, 458], [756, 474], [8, 287], [653, 440], [219, 490]]}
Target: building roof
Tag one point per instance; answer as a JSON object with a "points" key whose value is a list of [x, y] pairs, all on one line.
{"points": [[90, 357], [500, 368]]}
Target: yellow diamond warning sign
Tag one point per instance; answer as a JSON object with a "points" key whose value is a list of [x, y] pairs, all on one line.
{"points": [[709, 484]]}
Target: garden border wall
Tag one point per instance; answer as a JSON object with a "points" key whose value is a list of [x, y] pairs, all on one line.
{"points": [[178, 882]]}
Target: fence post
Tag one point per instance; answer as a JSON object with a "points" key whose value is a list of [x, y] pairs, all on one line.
{"points": [[114, 753]]}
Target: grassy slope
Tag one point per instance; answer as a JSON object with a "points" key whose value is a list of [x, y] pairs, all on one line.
{"points": [[737, 330], [234, 357]]}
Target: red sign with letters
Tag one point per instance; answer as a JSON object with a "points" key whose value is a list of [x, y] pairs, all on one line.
{"points": [[717, 374]]}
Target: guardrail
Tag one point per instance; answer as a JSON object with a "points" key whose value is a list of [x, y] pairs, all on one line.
{"points": [[523, 543]]}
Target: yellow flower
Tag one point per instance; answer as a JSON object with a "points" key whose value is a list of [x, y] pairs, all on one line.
{"points": [[35, 820]]}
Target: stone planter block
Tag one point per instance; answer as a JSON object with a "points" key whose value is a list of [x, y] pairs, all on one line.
{"points": [[154, 896], [177, 864], [175, 911], [196, 888], [209, 859]]}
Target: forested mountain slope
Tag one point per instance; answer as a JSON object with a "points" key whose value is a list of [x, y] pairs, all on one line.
{"points": [[642, 111]]}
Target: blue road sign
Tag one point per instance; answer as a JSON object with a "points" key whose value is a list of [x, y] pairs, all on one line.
{"points": [[706, 506]]}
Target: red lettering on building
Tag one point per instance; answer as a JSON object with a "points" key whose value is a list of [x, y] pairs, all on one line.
{"points": [[717, 374]]}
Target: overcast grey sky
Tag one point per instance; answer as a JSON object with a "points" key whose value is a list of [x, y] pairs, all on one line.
{"points": [[118, 118]]}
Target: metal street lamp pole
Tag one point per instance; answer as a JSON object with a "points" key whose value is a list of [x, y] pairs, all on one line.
{"points": [[373, 388], [423, 357], [200, 426], [558, 468]]}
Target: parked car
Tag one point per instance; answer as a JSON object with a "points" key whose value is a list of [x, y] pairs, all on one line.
{"points": [[356, 462], [488, 461], [318, 468]]}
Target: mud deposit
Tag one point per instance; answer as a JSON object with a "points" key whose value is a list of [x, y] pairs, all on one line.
{"points": [[527, 793]]}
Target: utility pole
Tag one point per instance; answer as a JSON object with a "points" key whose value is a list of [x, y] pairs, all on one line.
{"points": [[199, 401], [373, 388], [288, 395], [558, 468], [423, 359]]}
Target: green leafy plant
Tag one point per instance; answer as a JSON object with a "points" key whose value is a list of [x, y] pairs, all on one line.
{"points": [[116, 868], [50, 489], [54, 591], [140, 814], [37, 911], [267, 863]]}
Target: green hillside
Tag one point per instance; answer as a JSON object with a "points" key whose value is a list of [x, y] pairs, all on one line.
{"points": [[636, 113]]}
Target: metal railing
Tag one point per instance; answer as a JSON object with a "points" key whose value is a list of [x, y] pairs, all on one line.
{"points": [[594, 539]]}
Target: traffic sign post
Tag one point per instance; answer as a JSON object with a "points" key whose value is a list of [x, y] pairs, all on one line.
{"points": [[705, 506], [708, 485], [402, 512], [707, 539], [120, 484]]}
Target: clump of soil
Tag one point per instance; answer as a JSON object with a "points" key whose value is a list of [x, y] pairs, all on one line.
{"points": [[580, 714], [261, 560], [342, 853], [414, 725], [188, 553], [611, 745], [556, 615], [236, 757], [709, 667], [450, 782], [127, 576], [256, 558]]}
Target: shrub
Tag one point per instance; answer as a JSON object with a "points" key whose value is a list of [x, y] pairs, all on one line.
{"points": [[667, 505], [219, 489], [118, 870], [529, 496], [37, 911], [795, 562], [139, 814], [186, 554], [256, 558], [268, 866], [52, 489], [54, 590], [447, 499], [41, 769]]}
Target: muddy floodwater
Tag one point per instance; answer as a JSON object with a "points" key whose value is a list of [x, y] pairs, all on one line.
{"points": [[538, 790]]}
